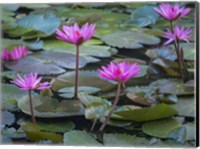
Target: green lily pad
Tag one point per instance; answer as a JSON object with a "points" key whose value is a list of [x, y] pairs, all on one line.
{"points": [[43, 23], [7, 16], [190, 131], [144, 16], [62, 59], [80, 138], [185, 106], [30, 63], [172, 86], [86, 78], [167, 98], [155, 112], [7, 118], [123, 140], [68, 92], [160, 128], [129, 39], [56, 126], [48, 107], [11, 95], [85, 49], [96, 107], [34, 133], [142, 95], [31, 45], [13, 133]]}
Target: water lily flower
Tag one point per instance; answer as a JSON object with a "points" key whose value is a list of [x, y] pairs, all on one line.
{"points": [[120, 72], [178, 33], [6, 55], [31, 82], [15, 54], [76, 35], [171, 12]]}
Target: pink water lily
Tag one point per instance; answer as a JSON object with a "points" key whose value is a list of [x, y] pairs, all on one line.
{"points": [[15, 54], [171, 12], [178, 33], [6, 55], [119, 71], [75, 34], [30, 82]]}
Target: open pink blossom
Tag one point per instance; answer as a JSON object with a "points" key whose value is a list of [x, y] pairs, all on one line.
{"points": [[6, 55], [119, 71], [171, 12], [76, 35], [30, 82], [15, 54], [177, 34]]}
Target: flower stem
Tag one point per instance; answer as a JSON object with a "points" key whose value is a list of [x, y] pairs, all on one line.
{"points": [[112, 108], [182, 69], [31, 107], [77, 70]]}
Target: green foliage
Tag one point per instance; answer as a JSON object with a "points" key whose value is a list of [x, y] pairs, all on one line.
{"points": [[34, 133], [154, 112], [80, 138], [160, 128]]}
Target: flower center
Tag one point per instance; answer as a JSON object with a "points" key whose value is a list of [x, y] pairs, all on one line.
{"points": [[119, 72], [78, 33]]}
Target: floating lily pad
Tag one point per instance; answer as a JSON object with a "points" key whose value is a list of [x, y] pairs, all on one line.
{"points": [[11, 95], [30, 63], [31, 45], [172, 86], [185, 106], [142, 95], [144, 16], [129, 39], [85, 49], [7, 118], [48, 107], [68, 92], [190, 131], [86, 78], [34, 133], [168, 98], [80, 138], [123, 140], [147, 114], [160, 128], [56, 126], [96, 107], [13, 133], [62, 59], [43, 23]]}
